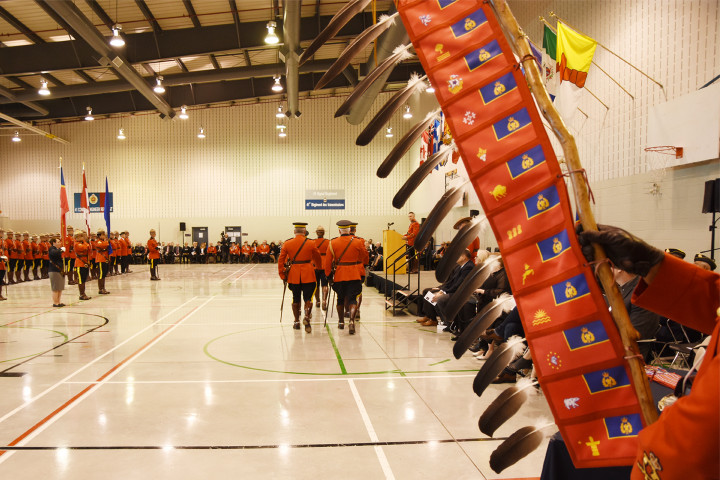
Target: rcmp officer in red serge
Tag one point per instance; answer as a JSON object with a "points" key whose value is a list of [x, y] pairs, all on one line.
{"points": [[322, 244], [344, 255], [295, 265], [153, 248], [409, 237]]}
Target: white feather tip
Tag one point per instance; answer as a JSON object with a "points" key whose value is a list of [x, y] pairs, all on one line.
{"points": [[524, 383]]}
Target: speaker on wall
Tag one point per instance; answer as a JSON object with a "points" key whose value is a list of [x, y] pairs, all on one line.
{"points": [[711, 199], [182, 226]]}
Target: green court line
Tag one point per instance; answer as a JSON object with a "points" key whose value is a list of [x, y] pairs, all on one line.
{"points": [[438, 363], [33, 328], [206, 350], [337, 352]]}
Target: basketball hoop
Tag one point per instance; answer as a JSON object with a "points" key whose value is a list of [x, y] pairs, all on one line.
{"points": [[666, 150]]}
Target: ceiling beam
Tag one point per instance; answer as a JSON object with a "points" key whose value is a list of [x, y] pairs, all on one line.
{"points": [[33, 129], [144, 47], [191, 13], [19, 26], [10, 95], [214, 62], [148, 15], [85, 29]]}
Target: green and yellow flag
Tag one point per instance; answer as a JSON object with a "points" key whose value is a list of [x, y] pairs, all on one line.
{"points": [[574, 54]]}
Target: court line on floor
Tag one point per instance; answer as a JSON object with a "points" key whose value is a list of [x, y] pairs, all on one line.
{"points": [[335, 348], [59, 412], [243, 274], [384, 464], [233, 273], [61, 382], [275, 380]]}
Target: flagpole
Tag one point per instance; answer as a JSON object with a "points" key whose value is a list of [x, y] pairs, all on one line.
{"points": [[580, 188], [542, 19], [552, 14]]}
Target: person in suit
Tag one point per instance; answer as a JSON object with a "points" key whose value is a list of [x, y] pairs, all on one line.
{"points": [[442, 293], [186, 253]]}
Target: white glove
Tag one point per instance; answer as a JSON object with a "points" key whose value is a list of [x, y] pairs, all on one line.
{"points": [[62, 249], [3, 257]]}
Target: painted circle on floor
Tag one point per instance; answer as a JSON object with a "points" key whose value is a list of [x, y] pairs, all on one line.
{"points": [[340, 364]]}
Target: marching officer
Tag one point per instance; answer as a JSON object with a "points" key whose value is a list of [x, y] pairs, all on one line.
{"points": [[361, 270], [295, 266], [321, 285], [343, 256], [153, 254], [12, 256], [101, 258], [82, 261]]}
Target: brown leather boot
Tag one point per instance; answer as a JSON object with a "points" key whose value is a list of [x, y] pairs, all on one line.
{"points": [[81, 287], [35, 275], [341, 316], [296, 314], [308, 316], [324, 298], [101, 287], [18, 279], [353, 313], [27, 274]]}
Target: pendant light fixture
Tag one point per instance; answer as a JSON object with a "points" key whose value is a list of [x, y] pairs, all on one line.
{"points": [[116, 40], [89, 117], [159, 87], [407, 115], [277, 87], [121, 134], [183, 113], [201, 134], [16, 137], [271, 38], [388, 132], [44, 90]]}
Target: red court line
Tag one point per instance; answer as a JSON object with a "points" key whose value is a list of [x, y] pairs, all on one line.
{"points": [[94, 384]]}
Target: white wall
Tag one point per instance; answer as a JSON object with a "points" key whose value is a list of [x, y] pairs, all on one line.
{"points": [[241, 174]]}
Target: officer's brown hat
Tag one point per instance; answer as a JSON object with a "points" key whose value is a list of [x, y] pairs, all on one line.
{"points": [[460, 222], [708, 260], [676, 252], [345, 224]]}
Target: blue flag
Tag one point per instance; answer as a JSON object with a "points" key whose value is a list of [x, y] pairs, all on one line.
{"points": [[106, 209]]}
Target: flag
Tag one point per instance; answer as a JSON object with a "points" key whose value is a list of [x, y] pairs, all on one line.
{"points": [[84, 203], [106, 209], [64, 207], [419, 18], [424, 146], [574, 55], [549, 65]]}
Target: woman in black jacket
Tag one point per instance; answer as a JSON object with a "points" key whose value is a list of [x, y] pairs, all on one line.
{"points": [[55, 272]]}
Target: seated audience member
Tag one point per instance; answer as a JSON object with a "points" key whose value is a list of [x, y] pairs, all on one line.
{"points": [[212, 253], [438, 255], [202, 253], [169, 253], [264, 252], [274, 252], [195, 253], [139, 253], [377, 263], [185, 254], [645, 322], [235, 253], [443, 292], [246, 252], [676, 252]]}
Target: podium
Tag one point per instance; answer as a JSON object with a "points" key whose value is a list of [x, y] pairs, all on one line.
{"points": [[393, 241]]}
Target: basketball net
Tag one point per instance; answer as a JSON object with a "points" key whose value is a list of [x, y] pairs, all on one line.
{"points": [[658, 159]]}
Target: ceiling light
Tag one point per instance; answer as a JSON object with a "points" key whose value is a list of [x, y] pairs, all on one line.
{"points": [[89, 117], [430, 89], [183, 113], [202, 133], [277, 87], [117, 40], [159, 88], [16, 137], [121, 134], [282, 133], [279, 113], [407, 113], [271, 38], [44, 88], [388, 132]]}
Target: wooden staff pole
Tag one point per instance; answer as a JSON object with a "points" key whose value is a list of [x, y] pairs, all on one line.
{"points": [[619, 313]]}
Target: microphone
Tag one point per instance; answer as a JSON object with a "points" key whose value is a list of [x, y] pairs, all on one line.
{"points": [[391, 224]]}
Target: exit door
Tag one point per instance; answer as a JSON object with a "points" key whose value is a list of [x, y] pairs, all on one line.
{"points": [[200, 235]]}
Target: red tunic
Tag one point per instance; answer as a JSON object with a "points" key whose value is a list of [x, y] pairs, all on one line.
{"points": [[347, 268], [412, 232], [322, 245], [152, 247], [82, 252], [101, 248], [302, 270], [45, 246], [685, 441], [36, 251], [28, 250], [474, 247]]}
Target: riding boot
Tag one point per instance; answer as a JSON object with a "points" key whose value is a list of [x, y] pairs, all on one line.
{"points": [[101, 287], [353, 312], [27, 274], [341, 316], [359, 300], [35, 275], [18, 273], [10, 279], [81, 287], [308, 316], [71, 277], [296, 314], [324, 297]]}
